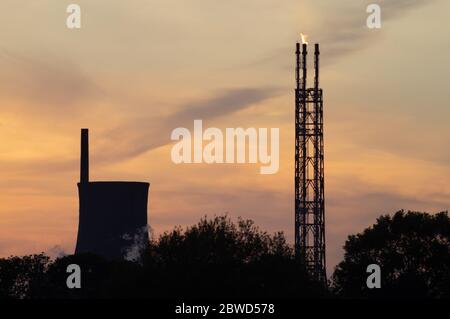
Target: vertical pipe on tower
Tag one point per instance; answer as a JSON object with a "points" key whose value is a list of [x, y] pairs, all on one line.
{"points": [[297, 150], [304, 174], [84, 162], [316, 66], [297, 66], [304, 53], [317, 204]]}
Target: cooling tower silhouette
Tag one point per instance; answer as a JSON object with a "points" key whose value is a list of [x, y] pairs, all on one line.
{"points": [[113, 215]]}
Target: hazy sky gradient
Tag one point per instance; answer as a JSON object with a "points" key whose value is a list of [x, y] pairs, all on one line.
{"points": [[138, 69]]}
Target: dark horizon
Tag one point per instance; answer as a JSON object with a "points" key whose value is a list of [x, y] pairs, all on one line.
{"points": [[136, 71]]}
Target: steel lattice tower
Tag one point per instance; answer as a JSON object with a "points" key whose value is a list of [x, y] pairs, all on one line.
{"points": [[309, 168]]}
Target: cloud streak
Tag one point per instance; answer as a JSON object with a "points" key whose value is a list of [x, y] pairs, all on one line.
{"points": [[142, 135], [53, 87], [343, 29], [348, 23]]}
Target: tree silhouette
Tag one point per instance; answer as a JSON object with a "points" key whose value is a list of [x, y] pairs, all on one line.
{"points": [[20, 276], [413, 251], [214, 258], [219, 258]]}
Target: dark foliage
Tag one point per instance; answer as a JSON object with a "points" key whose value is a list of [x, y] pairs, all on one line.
{"points": [[215, 258], [21, 275], [413, 251]]}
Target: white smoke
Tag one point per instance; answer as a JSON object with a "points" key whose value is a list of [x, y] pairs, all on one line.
{"points": [[139, 240], [56, 252]]}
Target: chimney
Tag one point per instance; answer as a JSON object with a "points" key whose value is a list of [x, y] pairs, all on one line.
{"points": [[316, 67], [303, 64], [84, 161]]}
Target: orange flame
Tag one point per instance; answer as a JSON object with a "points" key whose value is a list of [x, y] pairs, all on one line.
{"points": [[304, 38]]}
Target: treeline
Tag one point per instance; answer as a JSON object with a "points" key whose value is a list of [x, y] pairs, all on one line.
{"points": [[218, 258]]}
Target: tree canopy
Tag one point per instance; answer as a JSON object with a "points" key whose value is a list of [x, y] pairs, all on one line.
{"points": [[214, 258], [218, 258], [412, 250]]}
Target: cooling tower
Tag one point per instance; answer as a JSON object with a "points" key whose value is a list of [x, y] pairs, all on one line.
{"points": [[113, 215]]}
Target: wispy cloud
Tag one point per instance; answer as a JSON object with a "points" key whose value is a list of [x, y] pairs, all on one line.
{"points": [[140, 135], [49, 86], [341, 28], [144, 134], [346, 29]]}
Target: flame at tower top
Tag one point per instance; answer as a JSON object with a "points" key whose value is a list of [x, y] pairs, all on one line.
{"points": [[304, 38]]}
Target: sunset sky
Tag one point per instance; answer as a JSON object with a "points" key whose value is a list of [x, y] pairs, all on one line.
{"points": [[138, 69]]}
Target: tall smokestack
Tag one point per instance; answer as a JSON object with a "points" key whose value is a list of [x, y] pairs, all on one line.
{"points": [[84, 161], [304, 75], [309, 183], [297, 66], [316, 67]]}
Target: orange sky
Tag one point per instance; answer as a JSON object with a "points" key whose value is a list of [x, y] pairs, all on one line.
{"points": [[138, 69]]}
